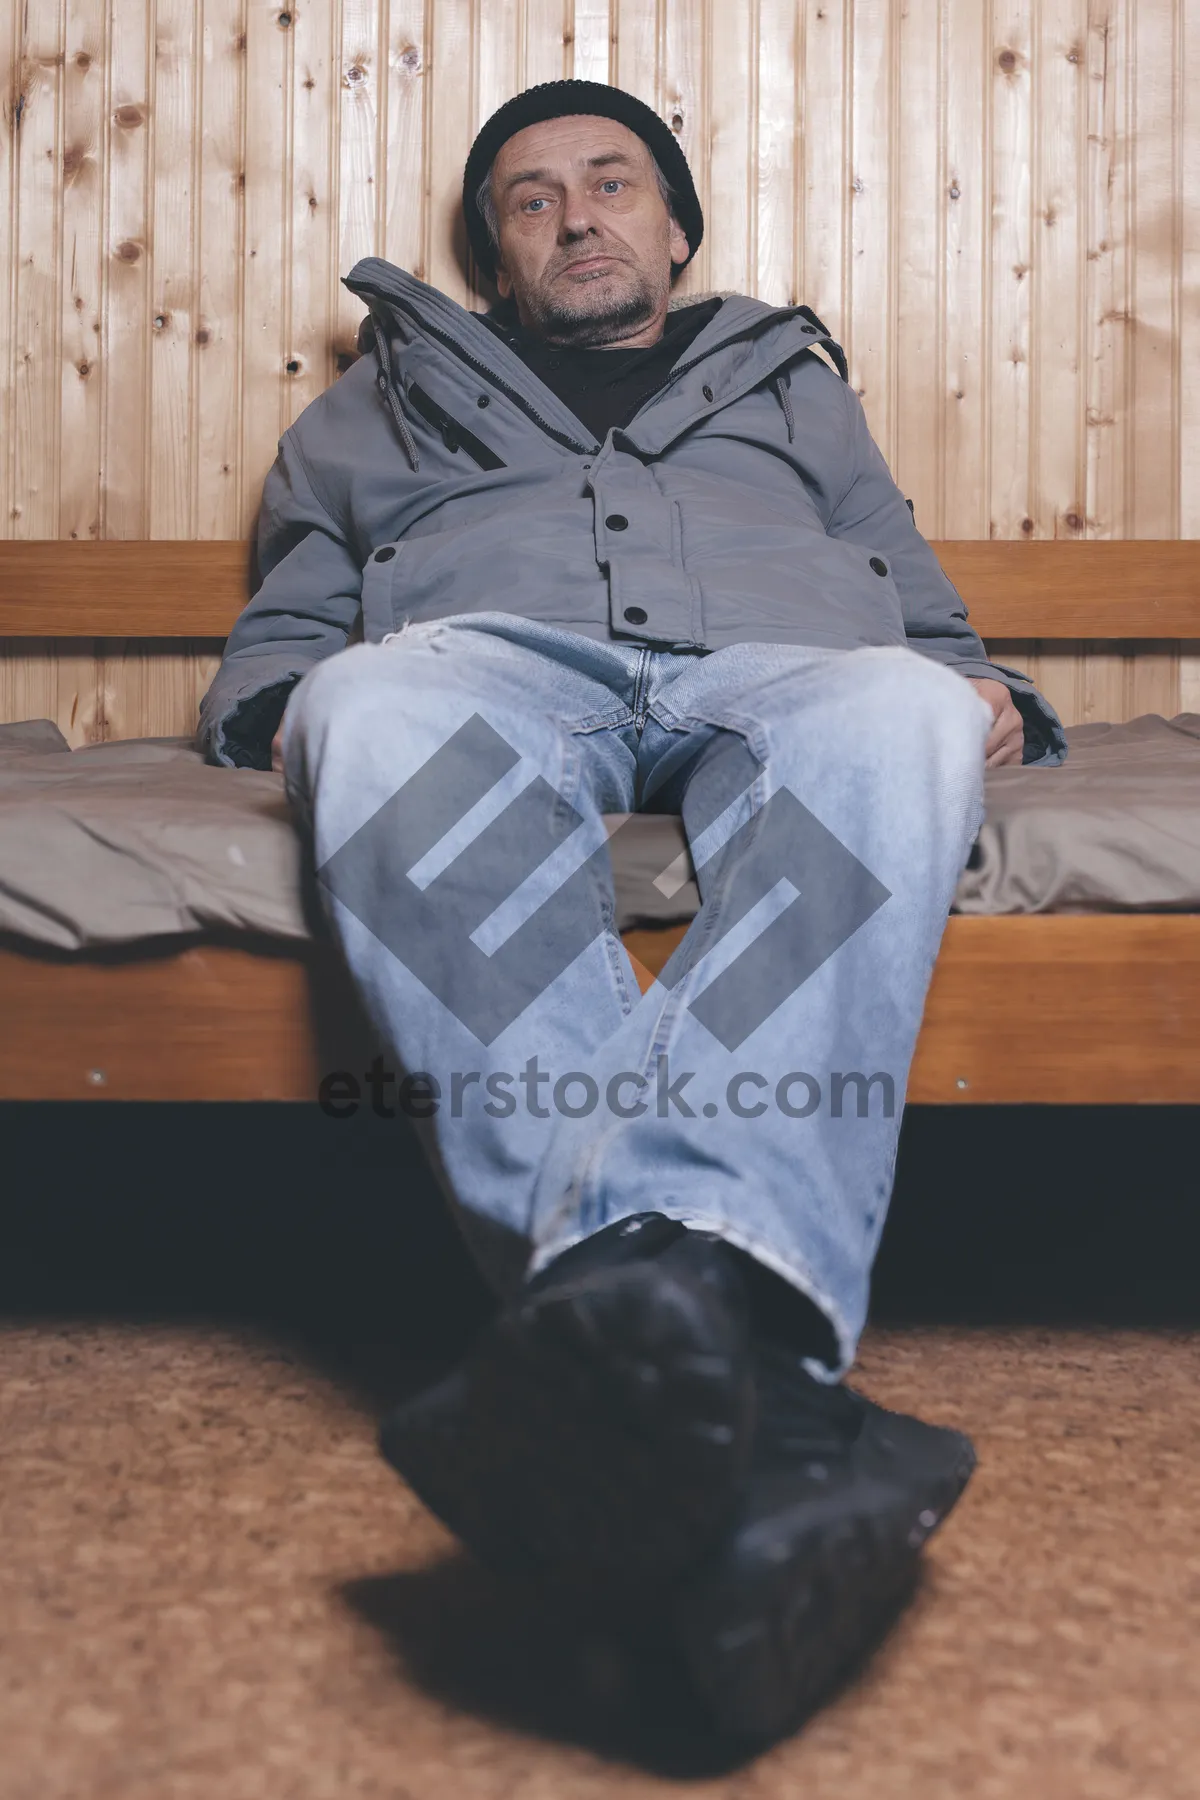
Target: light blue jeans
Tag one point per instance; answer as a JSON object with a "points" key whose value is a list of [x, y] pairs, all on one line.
{"points": [[453, 781]]}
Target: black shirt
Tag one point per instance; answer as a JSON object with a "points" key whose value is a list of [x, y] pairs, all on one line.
{"points": [[604, 387]]}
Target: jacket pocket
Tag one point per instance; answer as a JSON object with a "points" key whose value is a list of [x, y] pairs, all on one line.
{"points": [[455, 436]]}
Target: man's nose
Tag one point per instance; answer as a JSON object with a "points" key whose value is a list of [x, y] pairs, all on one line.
{"points": [[580, 216]]}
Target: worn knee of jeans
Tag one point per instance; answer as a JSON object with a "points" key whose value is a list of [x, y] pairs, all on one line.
{"points": [[924, 710]]}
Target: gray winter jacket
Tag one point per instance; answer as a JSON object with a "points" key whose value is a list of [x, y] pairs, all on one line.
{"points": [[746, 501]]}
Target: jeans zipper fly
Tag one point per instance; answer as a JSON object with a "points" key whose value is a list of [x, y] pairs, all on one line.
{"points": [[641, 682]]}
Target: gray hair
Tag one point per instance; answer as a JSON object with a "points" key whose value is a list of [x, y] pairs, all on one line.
{"points": [[487, 206]]}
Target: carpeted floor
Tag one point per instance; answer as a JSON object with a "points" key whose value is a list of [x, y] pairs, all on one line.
{"points": [[211, 1585]]}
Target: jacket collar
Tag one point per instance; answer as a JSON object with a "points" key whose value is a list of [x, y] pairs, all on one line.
{"points": [[756, 340]]}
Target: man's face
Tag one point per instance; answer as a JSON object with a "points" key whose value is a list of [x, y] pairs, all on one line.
{"points": [[568, 191]]}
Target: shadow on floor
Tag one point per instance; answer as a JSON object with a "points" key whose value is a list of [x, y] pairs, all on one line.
{"points": [[541, 1666], [553, 1668]]}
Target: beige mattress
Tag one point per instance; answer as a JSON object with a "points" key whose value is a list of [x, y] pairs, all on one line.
{"points": [[121, 842]]}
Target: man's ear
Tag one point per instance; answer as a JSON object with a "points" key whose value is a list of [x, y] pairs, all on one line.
{"points": [[680, 248], [502, 280]]}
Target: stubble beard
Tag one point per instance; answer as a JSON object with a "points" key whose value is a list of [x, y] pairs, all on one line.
{"points": [[589, 313]]}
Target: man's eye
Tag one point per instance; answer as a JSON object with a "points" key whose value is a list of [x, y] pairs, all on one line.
{"points": [[612, 181]]}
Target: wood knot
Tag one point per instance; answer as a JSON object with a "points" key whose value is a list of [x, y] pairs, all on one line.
{"points": [[1007, 60], [83, 61], [1026, 526], [203, 335], [129, 117], [955, 191], [128, 251], [410, 60], [283, 20], [1073, 522], [73, 160], [676, 122], [161, 321], [354, 75], [292, 365], [84, 369]]}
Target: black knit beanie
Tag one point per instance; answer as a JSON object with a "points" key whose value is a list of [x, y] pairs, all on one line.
{"points": [[554, 100]]}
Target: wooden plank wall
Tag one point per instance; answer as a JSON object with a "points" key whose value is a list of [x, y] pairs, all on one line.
{"points": [[994, 203]]}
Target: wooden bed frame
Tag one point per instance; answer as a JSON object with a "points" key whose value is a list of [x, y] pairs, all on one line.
{"points": [[1065, 1009]]}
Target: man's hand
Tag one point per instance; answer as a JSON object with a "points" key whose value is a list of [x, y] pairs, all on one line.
{"points": [[277, 740], [1006, 740]]}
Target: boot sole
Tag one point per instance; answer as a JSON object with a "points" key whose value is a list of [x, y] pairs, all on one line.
{"points": [[774, 1626], [601, 1429]]}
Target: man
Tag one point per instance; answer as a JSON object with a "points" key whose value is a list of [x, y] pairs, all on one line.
{"points": [[612, 554]]}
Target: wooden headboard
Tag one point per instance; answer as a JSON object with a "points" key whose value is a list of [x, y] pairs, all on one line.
{"points": [[1095, 589]]}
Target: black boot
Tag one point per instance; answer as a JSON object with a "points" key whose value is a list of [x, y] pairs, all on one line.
{"points": [[822, 1554], [601, 1429]]}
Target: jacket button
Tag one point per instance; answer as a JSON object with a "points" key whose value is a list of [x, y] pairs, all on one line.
{"points": [[484, 400], [636, 615], [706, 391], [386, 554], [879, 566], [616, 522], [811, 328]]}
